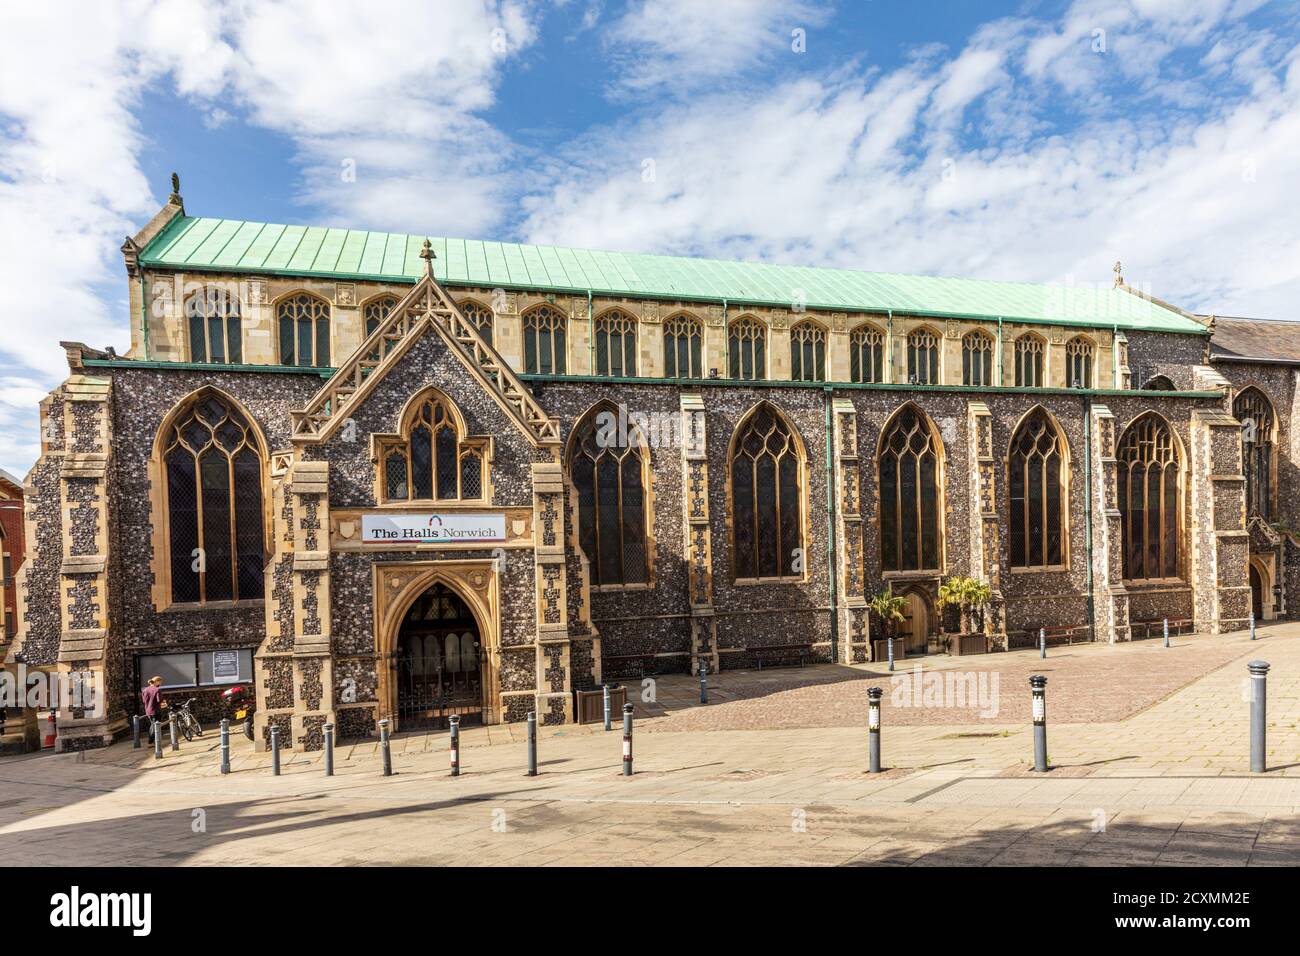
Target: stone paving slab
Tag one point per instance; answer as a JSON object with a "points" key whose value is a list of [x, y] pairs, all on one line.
{"points": [[1166, 785]]}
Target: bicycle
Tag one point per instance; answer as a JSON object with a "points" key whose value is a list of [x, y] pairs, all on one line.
{"points": [[186, 722]]}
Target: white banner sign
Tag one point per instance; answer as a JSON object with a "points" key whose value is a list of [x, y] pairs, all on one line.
{"points": [[440, 528]]}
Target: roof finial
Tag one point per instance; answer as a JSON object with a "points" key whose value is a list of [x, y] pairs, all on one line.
{"points": [[175, 197], [427, 254], [1119, 273]]}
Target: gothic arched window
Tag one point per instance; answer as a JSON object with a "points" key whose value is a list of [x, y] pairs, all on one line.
{"points": [[304, 330], [376, 310], [212, 317], [608, 465], [910, 494], [1078, 362], [480, 315], [683, 347], [544, 340], [866, 354], [977, 359], [433, 459], [923, 357], [1029, 361], [747, 349], [1159, 383], [807, 352], [1148, 493], [615, 344], [1035, 473], [766, 472], [212, 463], [1255, 412]]}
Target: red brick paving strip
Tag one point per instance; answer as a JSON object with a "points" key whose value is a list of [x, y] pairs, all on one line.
{"points": [[1091, 684]]}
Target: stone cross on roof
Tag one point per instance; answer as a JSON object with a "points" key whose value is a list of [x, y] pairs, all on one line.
{"points": [[428, 255]]}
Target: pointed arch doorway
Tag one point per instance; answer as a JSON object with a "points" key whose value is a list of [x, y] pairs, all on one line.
{"points": [[437, 630], [439, 662]]}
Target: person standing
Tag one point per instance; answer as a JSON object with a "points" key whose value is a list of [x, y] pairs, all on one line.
{"points": [[154, 702]]}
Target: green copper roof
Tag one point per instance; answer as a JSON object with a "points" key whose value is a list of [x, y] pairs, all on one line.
{"points": [[229, 245]]}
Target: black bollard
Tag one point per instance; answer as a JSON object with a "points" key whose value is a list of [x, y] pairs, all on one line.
{"points": [[171, 727], [891, 653], [608, 725], [1038, 684], [627, 740], [155, 728], [704, 681], [1166, 632], [532, 744], [275, 750], [329, 750], [135, 732], [1042, 642]]}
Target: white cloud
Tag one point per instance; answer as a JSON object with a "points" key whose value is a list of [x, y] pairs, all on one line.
{"points": [[342, 80], [678, 45], [930, 168]]}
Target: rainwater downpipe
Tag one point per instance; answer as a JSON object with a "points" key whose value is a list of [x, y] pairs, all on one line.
{"points": [[888, 360], [831, 544], [1087, 512], [591, 338], [144, 312], [999, 351]]}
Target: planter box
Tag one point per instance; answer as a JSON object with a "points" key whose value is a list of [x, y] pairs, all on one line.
{"points": [[963, 645], [589, 705], [880, 650]]}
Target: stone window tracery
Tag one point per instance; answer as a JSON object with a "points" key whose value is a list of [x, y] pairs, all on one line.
{"points": [[683, 347], [866, 354], [616, 344], [807, 352], [544, 328], [910, 495], [304, 321], [977, 359], [766, 479], [432, 460], [923, 357], [212, 466], [1035, 485], [1148, 497], [212, 318], [608, 467], [747, 349]]}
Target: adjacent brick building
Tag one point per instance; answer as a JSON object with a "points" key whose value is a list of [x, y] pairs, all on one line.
{"points": [[381, 477], [12, 545]]}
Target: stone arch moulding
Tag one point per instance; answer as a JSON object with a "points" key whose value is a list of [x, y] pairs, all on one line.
{"points": [[397, 584], [941, 485], [160, 546]]}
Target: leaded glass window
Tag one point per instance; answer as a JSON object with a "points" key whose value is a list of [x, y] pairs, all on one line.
{"points": [[213, 321], [923, 357], [866, 354], [683, 347], [1255, 413], [747, 349], [1148, 493], [544, 340], [608, 467], [433, 461], [304, 330], [1035, 473], [616, 344], [910, 497], [977, 359], [807, 352], [1029, 361], [481, 316], [213, 474], [1078, 362], [766, 497]]}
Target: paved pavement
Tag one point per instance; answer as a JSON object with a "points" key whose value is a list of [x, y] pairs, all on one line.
{"points": [[1165, 782]]}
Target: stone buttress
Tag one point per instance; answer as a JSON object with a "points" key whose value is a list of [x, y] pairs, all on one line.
{"points": [[985, 528], [854, 618], [698, 542], [1220, 543]]}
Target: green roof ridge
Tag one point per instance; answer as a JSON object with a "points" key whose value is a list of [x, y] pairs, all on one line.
{"points": [[187, 244]]}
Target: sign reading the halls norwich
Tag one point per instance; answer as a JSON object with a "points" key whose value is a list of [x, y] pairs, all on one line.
{"points": [[448, 528]]}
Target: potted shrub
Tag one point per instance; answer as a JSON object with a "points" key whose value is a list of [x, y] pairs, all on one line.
{"points": [[887, 608], [968, 595]]}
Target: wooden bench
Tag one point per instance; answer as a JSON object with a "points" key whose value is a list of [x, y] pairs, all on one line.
{"points": [[1056, 634], [781, 652], [637, 665], [1141, 630]]}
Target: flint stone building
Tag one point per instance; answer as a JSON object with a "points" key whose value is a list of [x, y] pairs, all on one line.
{"points": [[381, 477]]}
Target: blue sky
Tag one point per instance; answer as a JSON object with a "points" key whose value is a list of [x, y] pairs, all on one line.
{"points": [[1036, 141]]}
